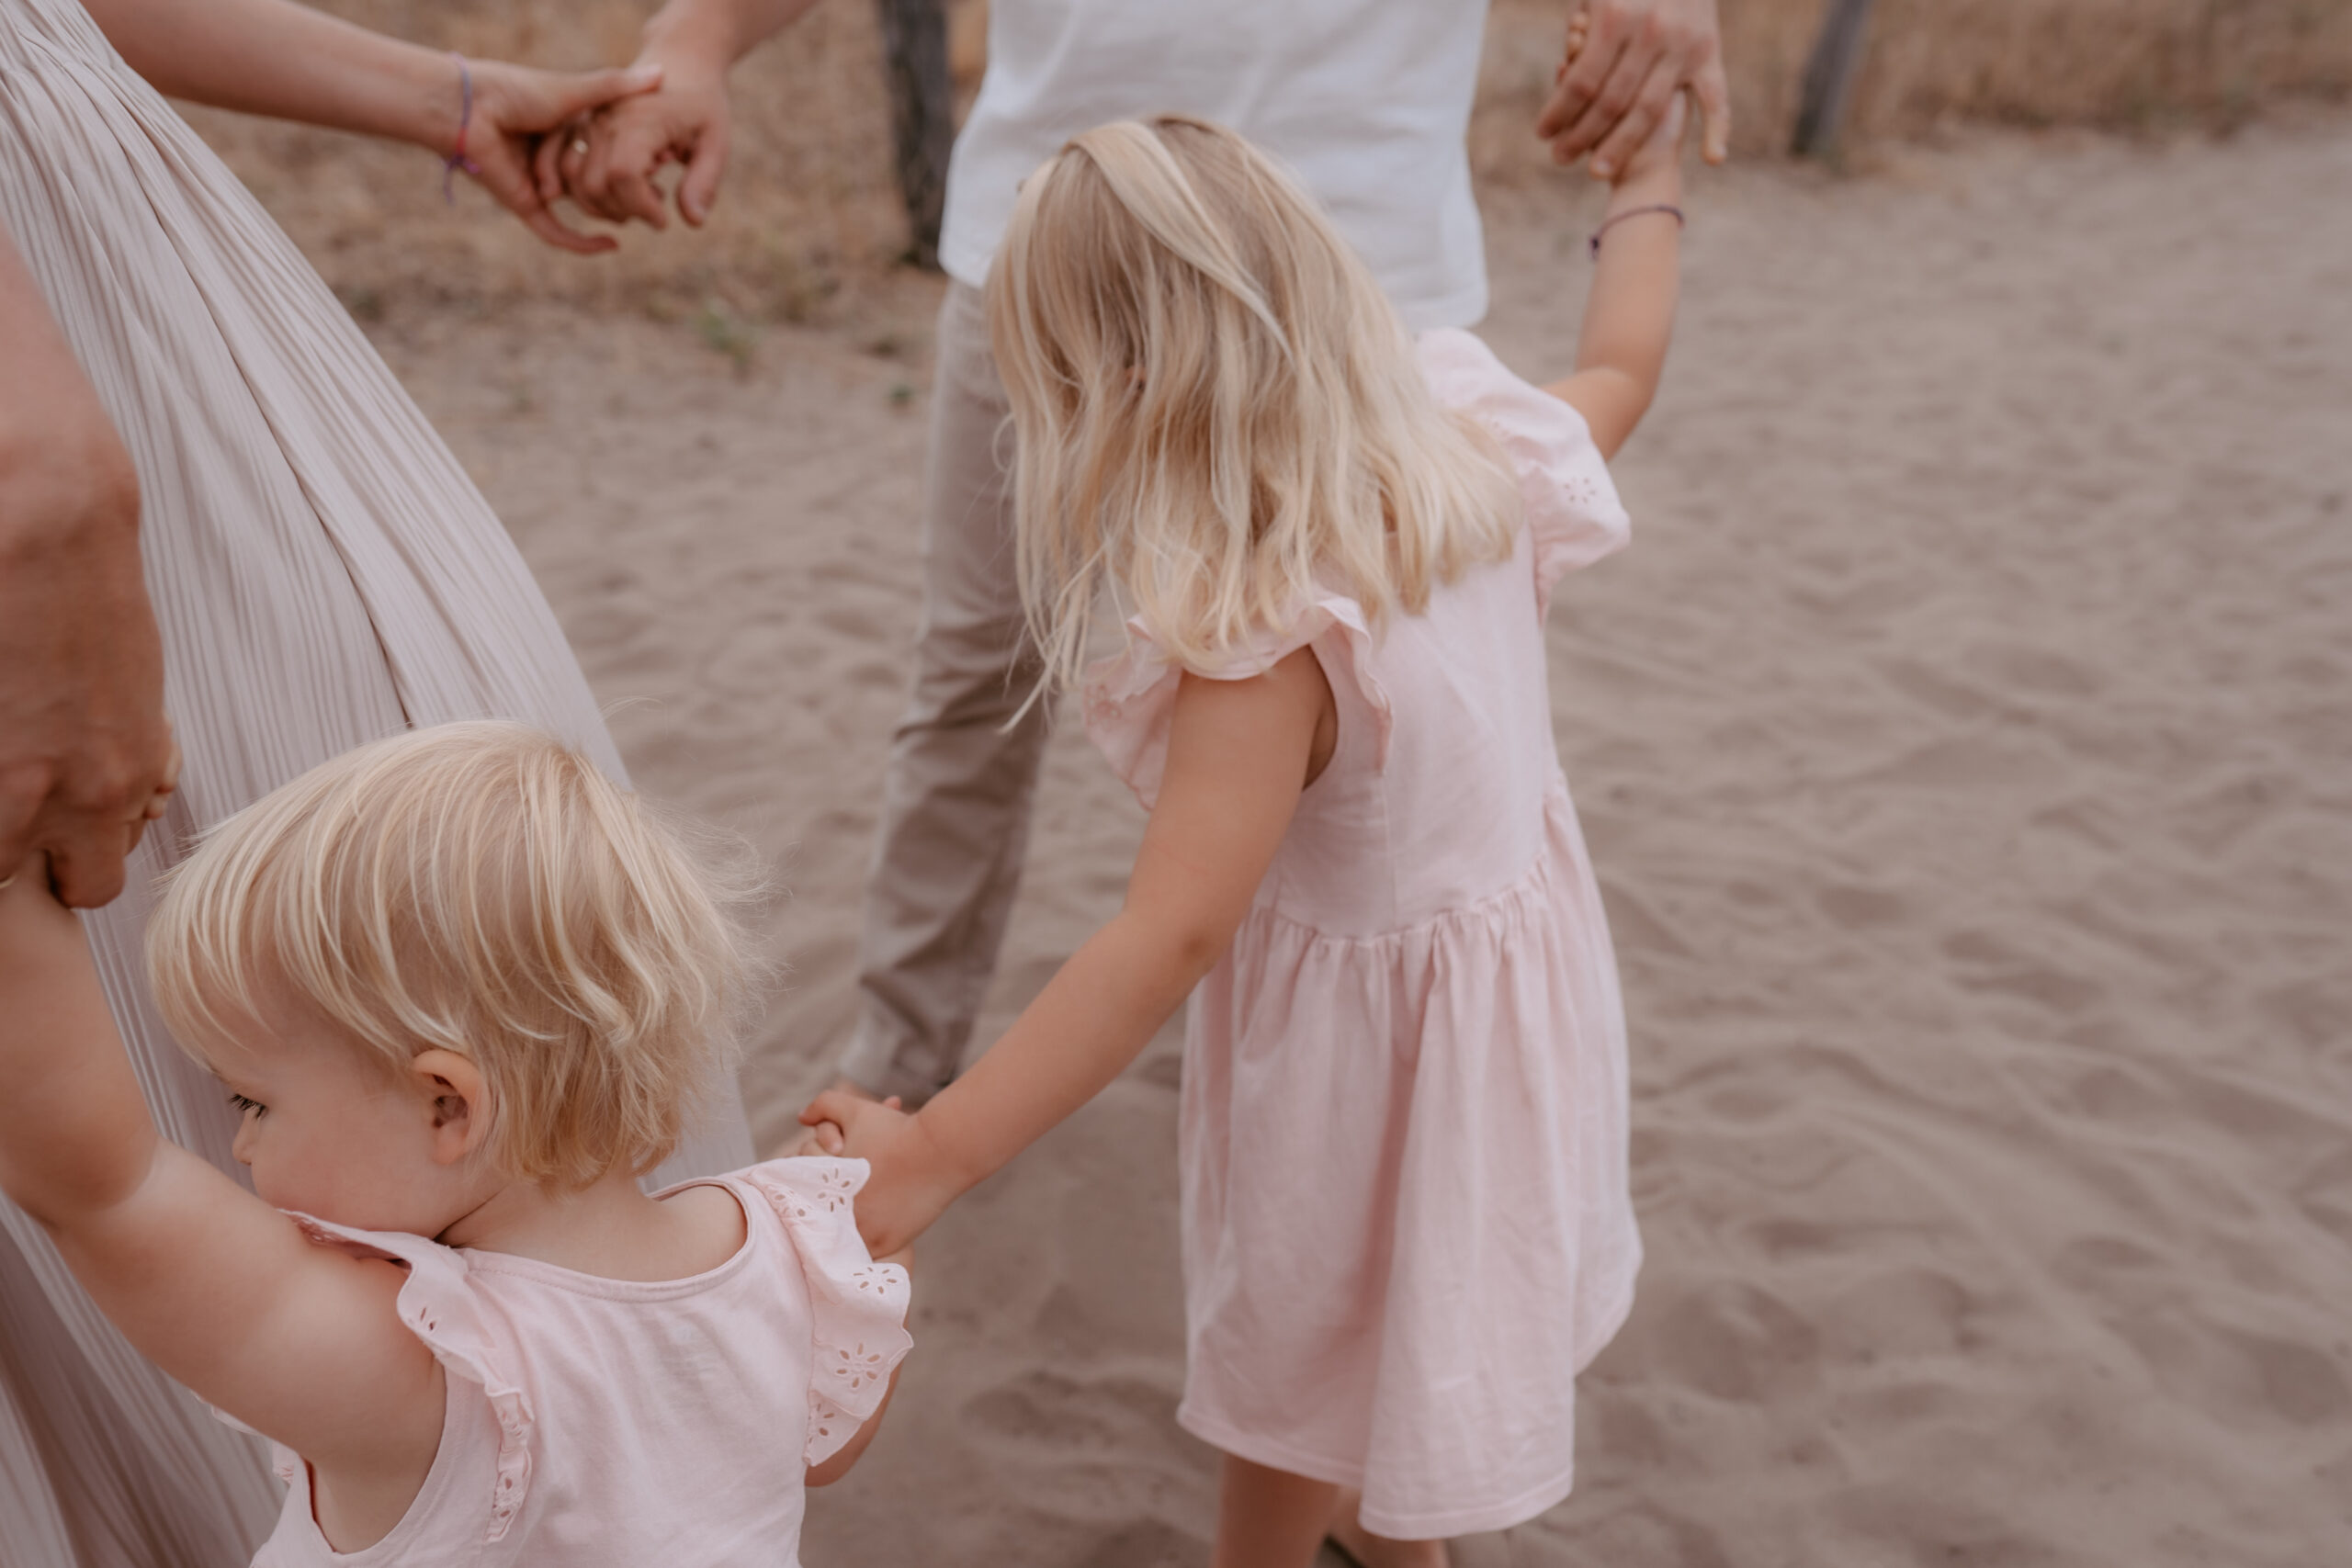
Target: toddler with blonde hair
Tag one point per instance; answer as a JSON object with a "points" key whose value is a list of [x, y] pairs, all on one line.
{"points": [[461, 987], [1405, 1221]]}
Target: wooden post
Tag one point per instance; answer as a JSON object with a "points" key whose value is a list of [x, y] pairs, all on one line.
{"points": [[1829, 78], [923, 115]]}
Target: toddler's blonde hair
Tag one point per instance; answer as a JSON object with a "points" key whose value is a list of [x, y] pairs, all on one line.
{"points": [[1217, 408], [481, 888]]}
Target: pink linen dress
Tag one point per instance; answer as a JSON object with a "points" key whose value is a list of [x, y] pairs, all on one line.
{"points": [[1402, 1133], [597, 1423]]}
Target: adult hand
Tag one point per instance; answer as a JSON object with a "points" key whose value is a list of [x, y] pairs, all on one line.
{"points": [[514, 107], [86, 754], [85, 751], [1634, 56], [607, 161]]}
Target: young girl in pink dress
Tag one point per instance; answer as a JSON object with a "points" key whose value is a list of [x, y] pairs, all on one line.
{"points": [[1405, 1223], [460, 986]]}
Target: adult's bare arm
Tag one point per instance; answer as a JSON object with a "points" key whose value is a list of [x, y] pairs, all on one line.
{"points": [[288, 62], [84, 745], [1637, 55]]}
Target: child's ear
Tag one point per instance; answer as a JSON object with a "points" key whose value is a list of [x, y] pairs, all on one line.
{"points": [[453, 1088]]}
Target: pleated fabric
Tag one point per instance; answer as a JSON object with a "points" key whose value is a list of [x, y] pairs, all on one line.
{"points": [[323, 574]]}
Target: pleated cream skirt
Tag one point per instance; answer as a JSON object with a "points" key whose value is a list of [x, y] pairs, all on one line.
{"points": [[325, 573]]}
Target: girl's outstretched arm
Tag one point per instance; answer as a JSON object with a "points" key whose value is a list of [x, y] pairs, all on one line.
{"points": [[1629, 314], [220, 1290], [1237, 757]]}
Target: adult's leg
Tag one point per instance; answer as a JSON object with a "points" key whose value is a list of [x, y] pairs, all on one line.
{"points": [[956, 801], [1269, 1518]]}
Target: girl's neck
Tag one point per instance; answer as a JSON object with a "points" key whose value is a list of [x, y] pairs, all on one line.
{"points": [[609, 1228]]}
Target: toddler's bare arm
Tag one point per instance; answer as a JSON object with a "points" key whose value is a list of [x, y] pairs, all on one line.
{"points": [[217, 1288]]}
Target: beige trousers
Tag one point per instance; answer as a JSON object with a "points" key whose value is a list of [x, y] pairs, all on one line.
{"points": [[956, 801]]}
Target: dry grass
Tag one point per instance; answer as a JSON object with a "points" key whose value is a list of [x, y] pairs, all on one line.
{"points": [[809, 222]]}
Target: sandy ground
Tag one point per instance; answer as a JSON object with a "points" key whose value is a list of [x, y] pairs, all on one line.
{"points": [[1966, 748]]}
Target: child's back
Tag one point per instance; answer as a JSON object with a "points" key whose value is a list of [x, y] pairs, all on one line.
{"points": [[1406, 1081], [592, 1421]]}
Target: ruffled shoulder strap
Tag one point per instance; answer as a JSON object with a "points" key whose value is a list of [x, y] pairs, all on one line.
{"points": [[1129, 698], [857, 1307], [1572, 508], [437, 1304]]}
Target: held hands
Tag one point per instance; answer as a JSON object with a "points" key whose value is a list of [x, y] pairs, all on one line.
{"points": [[515, 108], [1626, 65], [607, 159], [1660, 156], [910, 1183]]}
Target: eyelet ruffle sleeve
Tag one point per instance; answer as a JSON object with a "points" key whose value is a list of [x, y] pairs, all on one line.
{"points": [[1129, 699], [439, 1306], [1571, 504], [857, 1307]]}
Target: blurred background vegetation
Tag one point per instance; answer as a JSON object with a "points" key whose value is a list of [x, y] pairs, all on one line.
{"points": [[809, 215]]}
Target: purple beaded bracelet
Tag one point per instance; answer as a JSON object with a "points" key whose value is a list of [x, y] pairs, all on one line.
{"points": [[456, 159], [1594, 247]]}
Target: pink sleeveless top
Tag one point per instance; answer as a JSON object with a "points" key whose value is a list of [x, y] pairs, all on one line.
{"points": [[597, 1423]]}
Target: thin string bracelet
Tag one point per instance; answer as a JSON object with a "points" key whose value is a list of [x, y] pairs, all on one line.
{"points": [[456, 159], [1594, 245]]}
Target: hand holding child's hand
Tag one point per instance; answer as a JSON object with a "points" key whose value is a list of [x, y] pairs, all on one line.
{"points": [[515, 109], [908, 1187], [609, 162], [828, 1137], [1625, 63]]}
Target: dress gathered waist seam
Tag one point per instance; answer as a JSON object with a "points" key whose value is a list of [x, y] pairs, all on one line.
{"points": [[1535, 873]]}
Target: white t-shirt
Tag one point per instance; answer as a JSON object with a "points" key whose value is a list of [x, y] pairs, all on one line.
{"points": [[1367, 101]]}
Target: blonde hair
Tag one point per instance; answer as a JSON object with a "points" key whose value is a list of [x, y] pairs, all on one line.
{"points": [[480, 888], [1217, 408]]}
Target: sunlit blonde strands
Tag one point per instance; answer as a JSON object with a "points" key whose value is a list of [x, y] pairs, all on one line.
{"points": [[1217, 408], [481, 888]]}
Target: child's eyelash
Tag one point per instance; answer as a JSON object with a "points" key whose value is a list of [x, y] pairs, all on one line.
{"points": [[244, 1104]]}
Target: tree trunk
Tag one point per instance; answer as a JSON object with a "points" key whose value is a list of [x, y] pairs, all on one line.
{"points": [[922, 116], [1829, 78]]}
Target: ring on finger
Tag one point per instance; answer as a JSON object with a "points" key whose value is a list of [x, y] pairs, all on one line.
{"points": [[579, 147]]}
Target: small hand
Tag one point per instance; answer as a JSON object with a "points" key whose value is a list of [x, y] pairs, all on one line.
{"points": [[827, 1137], [1626, 61], [514, 105], [824, 1138], [607, 161], [907, 1188], [1663, 150]]}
